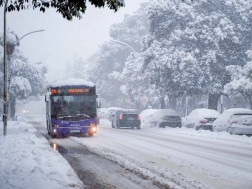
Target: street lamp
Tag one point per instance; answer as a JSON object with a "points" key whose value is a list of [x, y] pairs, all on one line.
{"points": [[5, 74], [8, 50], [123, 43]]}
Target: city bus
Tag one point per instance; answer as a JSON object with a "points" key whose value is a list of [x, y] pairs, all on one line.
{"points": [[71, 108]]}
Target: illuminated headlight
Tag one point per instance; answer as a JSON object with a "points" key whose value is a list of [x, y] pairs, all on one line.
{"points": [[56, 125], [94, 129], [54, 131]]}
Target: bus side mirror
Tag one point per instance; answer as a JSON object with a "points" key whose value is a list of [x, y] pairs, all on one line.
{"points": [[98, 104], [47, 97]]}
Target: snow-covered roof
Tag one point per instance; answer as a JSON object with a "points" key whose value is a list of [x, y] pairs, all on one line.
{"points": [[71, 82], [114, 108], [170, 112], [148, 112], [204, 112], [238, 110], [227, 114]]}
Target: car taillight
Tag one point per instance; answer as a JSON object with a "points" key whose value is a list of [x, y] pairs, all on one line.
{"points": [[121, 116], [98, 115], [178, 119], [138, 117], [233, 122], [203, 121]]}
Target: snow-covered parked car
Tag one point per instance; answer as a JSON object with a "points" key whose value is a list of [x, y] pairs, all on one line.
{"points": [[234, 121], [146, 117], [201, 118], [166, 117]]}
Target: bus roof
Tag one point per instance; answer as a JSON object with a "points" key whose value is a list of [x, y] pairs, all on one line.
{"points": [[71, 82]]}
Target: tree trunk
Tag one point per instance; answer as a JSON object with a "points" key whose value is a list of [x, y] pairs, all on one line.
{"points": [[12, 107], [250, 102], [213, 101], [172, 102], [162, 102]]}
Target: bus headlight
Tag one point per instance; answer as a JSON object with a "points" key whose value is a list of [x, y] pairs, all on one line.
{"points": [[94, 129]]}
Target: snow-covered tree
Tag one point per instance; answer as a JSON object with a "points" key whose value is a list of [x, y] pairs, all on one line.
{"points": [[190, 43], [241, 83], [25, 79], [110, 60]]}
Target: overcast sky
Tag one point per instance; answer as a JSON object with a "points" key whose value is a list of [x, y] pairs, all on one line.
{"points": [[63, 40]]}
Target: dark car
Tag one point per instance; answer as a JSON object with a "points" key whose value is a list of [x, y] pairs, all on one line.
{"points": [[126, 118]]}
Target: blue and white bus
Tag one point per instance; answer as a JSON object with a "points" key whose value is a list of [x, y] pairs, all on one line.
{"points": [[71, 107]]}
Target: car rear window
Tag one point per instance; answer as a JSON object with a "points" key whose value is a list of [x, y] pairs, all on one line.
{"points": [[130, 116], [241, 118]]}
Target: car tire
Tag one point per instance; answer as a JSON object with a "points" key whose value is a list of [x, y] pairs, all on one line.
{"points": [[138, 127], [159, 125], [117, 125], [229, 131], [211, 129]]}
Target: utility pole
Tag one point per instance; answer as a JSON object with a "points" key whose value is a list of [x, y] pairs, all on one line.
{"points": [[8, 50], [5, 99]]}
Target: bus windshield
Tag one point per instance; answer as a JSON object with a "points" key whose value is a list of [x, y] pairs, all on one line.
{"points": [[73, 105]]}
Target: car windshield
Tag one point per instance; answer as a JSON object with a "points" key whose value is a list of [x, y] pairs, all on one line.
{"points": [[73, 105]]}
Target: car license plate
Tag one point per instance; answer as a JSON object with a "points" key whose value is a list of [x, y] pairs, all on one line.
{"points": [[74, 131], [130, 118]]}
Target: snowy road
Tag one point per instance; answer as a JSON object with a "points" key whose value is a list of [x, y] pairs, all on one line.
{"points": [[172, 158], [178, 157]]}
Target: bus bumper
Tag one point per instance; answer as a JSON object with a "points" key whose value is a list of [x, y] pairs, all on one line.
{"points": [[74, 130]]}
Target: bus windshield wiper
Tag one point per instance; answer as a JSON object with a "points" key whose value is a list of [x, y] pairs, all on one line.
{"points": [[64, 116], [83, 115]]}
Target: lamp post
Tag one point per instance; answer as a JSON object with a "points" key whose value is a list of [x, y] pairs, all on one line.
{"points": [[5, 111], [123, 43], [8, 50]]}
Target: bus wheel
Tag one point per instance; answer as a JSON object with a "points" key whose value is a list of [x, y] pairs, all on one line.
{"points": [[90, 134]]}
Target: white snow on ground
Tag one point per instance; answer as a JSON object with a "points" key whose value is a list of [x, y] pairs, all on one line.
{"points": [[177, 157], [27, 161]]}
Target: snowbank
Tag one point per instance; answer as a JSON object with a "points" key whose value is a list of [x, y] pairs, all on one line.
{"points": [[27, 161]]}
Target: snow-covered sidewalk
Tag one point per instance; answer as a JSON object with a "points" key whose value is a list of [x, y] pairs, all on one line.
{"points": [[27, 161]]}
